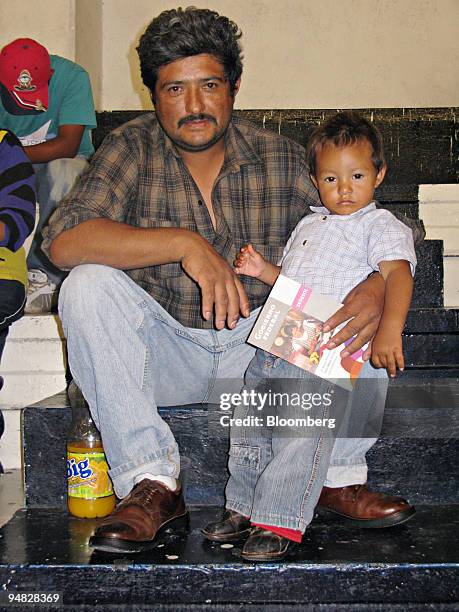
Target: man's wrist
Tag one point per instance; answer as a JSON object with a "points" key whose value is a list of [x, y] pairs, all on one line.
{"points": [[185, 241]]}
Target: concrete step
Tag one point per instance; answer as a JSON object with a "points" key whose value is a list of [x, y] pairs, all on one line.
{"points": [[451, 281], [11, 442], [428, 280], [33, 363], [27, 387], [33, 367], [439, 210], [409, 567], [11, 494]]}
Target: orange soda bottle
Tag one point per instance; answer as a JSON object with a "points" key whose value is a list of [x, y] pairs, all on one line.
{"points": [[89, 488]]}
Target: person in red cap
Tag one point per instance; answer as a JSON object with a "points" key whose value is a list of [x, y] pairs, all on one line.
{"points": [[46, 100]]}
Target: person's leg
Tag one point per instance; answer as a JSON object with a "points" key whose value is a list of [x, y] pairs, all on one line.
{"points": [[128, 355], [3, 335], [54, 180], [289, 483], [125, 353], [348, 465], [250, 451], [344, 492], [276, 471], [250, 446], [279, 487], [12, 302]]}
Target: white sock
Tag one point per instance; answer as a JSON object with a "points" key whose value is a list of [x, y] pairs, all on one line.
{"points": [[171, 483]]}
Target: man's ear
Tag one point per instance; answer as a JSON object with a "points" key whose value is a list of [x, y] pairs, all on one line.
{"points": [[380, 176], [314, 180], [236, 87]]}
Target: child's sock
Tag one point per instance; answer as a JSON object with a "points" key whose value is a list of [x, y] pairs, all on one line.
{"points": [[290, 534]]}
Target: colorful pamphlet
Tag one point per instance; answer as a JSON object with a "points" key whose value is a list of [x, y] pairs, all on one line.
{"points": [[290, 326]]}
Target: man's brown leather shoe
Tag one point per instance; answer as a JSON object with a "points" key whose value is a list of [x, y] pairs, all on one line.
{"points": [[365, 508], [139, 518], [233, 526]]}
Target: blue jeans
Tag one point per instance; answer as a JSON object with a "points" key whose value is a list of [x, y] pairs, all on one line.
{"points": [[277, 473], [54, 180], [12, 302], [128, 356]]}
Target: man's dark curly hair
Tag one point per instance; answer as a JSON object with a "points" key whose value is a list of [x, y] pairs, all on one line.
{"points": [[179, 33], [344, 129]]}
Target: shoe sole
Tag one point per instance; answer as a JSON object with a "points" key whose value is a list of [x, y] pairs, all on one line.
{"points": [[267, 557], [115, 545], [231, 537], [388, 521]]}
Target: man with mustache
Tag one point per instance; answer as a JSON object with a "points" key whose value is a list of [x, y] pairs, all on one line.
{"points": [[152, 307]]}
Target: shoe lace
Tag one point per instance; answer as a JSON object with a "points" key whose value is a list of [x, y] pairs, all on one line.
{"points": [[357, 490], [142, 493]]}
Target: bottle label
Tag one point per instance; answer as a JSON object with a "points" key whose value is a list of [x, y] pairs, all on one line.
{"points": [[87, 475]]}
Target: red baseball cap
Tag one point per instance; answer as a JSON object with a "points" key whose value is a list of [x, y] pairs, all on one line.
{"points": [[25, 70]]}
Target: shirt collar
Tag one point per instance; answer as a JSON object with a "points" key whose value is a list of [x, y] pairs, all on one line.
{"points": [[169, 146], [238, 151], [324, 211]]}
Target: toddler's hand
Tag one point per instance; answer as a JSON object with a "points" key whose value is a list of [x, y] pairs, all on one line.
{"points": [[249, 262], [386, 352]]}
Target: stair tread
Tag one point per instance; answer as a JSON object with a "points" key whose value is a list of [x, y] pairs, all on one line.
{"points": [[416, 561]]}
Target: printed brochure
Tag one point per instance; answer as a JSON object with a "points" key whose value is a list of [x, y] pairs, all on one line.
{"points": [[290, 326]]}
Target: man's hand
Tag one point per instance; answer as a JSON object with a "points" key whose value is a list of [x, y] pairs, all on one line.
{"points": [[363, 306], [221, 290], [387, 352]]}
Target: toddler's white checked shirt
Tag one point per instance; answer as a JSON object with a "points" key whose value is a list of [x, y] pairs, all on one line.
{"points": [[334, 253]]}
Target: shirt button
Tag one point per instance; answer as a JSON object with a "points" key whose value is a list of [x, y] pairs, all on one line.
{"points": [[200, 202]]}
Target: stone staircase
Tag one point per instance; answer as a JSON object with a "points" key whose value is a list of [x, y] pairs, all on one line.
{"points": [[336, 568]]}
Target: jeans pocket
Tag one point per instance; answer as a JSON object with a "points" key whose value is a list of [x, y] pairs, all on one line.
{"points": [[245, 456]]}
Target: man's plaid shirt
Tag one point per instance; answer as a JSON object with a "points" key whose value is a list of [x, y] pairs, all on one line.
{"points": [[138, 177]]}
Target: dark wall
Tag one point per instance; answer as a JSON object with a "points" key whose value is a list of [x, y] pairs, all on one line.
{"points": [[421, 144]]}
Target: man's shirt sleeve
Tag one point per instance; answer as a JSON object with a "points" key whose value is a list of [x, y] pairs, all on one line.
{"points": [[104, 190], [17, 192], [306, 195]]}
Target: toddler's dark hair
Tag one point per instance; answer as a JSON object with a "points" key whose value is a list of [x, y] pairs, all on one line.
{"points": [[344, 129]]}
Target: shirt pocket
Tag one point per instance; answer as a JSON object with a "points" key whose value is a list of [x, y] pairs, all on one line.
{"points": [[245, 456]]}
